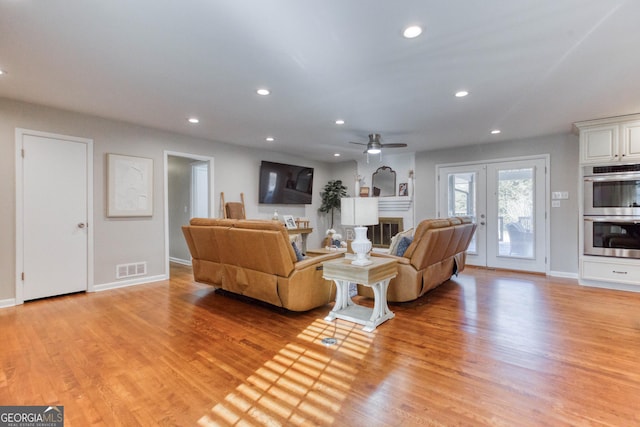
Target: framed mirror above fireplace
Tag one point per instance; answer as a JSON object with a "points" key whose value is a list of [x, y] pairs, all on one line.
{"points": [[383, 182]]}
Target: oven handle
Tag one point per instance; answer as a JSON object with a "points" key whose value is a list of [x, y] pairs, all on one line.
{"points": [[613, 219], [632, 177]]}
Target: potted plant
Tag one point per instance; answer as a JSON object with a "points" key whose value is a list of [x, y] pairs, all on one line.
{"points": [[333, 192]]}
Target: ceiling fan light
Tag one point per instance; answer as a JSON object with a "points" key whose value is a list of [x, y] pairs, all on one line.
{"points": [[373, 150]]}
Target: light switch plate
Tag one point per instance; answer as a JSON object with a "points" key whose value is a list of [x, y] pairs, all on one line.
{"points": [[560, 195], [555, 203]]}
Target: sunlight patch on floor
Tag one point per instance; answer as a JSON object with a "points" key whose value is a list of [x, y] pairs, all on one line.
{"points": [[300, 385]]}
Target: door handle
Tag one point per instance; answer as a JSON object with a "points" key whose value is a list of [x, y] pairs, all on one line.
{"points": [[481, 222], [81, 225]]}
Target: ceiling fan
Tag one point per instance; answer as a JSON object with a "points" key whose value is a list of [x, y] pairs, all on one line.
{"points": [[374, 146]]}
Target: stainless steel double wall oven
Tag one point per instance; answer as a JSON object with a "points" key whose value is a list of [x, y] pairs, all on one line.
{"points": [[612, 210]]}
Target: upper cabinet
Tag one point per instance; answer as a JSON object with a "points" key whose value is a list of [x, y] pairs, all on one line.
{"points": [[630, 139], [610, 140]]}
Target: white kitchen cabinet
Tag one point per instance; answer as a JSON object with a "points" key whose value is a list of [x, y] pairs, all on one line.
{"points": [[610, 140], [630, 139]]}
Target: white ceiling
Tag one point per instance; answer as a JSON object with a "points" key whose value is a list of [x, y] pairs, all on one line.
{"points": [[532, 67]]}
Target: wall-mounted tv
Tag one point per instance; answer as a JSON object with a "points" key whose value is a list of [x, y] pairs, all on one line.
{"points": [[284, 184]]}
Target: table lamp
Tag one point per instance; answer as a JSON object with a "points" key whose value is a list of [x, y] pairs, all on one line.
{"points": [[359, 211]]}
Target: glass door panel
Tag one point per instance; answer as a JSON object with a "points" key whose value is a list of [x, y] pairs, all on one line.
{"points": [[515, 212]]}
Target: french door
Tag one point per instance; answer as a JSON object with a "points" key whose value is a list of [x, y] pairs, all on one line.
{"points": [[507, 200]]}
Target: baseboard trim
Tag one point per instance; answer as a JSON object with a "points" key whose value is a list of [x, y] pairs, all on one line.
{"points": [[180, 261], [4, 303], [132, 282], [563, 274]]}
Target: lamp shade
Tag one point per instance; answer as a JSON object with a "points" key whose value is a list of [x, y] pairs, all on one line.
{"points": [[359, 210]]}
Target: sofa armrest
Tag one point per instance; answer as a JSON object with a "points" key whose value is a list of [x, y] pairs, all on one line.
{"points": [[399, 259], [316, 260]]}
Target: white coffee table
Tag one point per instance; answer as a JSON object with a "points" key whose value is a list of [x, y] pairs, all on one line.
{"points": [[376, 275]]}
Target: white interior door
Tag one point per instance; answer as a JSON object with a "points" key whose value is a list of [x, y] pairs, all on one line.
{"points": [[507, 200], [53, 228]]}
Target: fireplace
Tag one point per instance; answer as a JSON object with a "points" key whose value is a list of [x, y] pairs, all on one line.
{"points": [[381, 233]]}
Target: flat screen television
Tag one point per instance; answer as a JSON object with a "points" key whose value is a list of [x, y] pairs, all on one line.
{"points": [[282, 184]]}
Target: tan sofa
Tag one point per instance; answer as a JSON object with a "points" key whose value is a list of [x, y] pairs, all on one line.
{"points": [[254, 258], [438, 251]]}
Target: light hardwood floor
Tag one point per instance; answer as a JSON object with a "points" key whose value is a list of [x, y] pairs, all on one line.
{"points": [[487, 348]]}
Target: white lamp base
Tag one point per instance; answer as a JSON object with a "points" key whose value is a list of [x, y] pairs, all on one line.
{"points": [[361, 247]]}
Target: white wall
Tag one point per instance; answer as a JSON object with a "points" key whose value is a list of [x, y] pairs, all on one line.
{"points": [[124, 240], [564, 155]]}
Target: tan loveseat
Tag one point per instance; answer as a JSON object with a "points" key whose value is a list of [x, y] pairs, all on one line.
{"points": [[254, 258], [438, 250]]}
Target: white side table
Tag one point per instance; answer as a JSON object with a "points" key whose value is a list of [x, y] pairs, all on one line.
{"points": [[376, 275]]}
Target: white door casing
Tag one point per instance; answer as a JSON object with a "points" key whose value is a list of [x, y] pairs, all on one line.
{"points": [[54, 236]]}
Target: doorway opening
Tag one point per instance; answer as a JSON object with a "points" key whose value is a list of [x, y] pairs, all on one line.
{"points": [[188, 194]]}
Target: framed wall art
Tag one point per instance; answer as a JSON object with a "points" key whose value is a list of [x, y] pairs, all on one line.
{"points": [[129, 186]]}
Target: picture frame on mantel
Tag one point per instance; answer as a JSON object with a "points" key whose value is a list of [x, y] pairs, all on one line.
{"points": [[129, 186], [403, 189], [289, 222], [364, 191]]}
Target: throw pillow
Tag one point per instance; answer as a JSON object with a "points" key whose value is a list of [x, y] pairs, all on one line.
{"points": [[299, 256], [393, 245], [403, 245]]}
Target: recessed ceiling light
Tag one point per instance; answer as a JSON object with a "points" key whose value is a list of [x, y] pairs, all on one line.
{"points": [[339, 122], [336, 154], [263, 92], [461, 93], [412, 32], [270, 139], [495, 131], [193, 120], [2, 72]]}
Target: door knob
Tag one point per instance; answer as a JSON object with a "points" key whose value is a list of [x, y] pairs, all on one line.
{"points": [[481, 222], [81, 225]]}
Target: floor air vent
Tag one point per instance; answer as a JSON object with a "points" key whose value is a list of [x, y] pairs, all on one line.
{"points": [[131, 270]]}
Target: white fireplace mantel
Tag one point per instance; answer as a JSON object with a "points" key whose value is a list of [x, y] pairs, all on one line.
{"points": [[398, 203]]}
